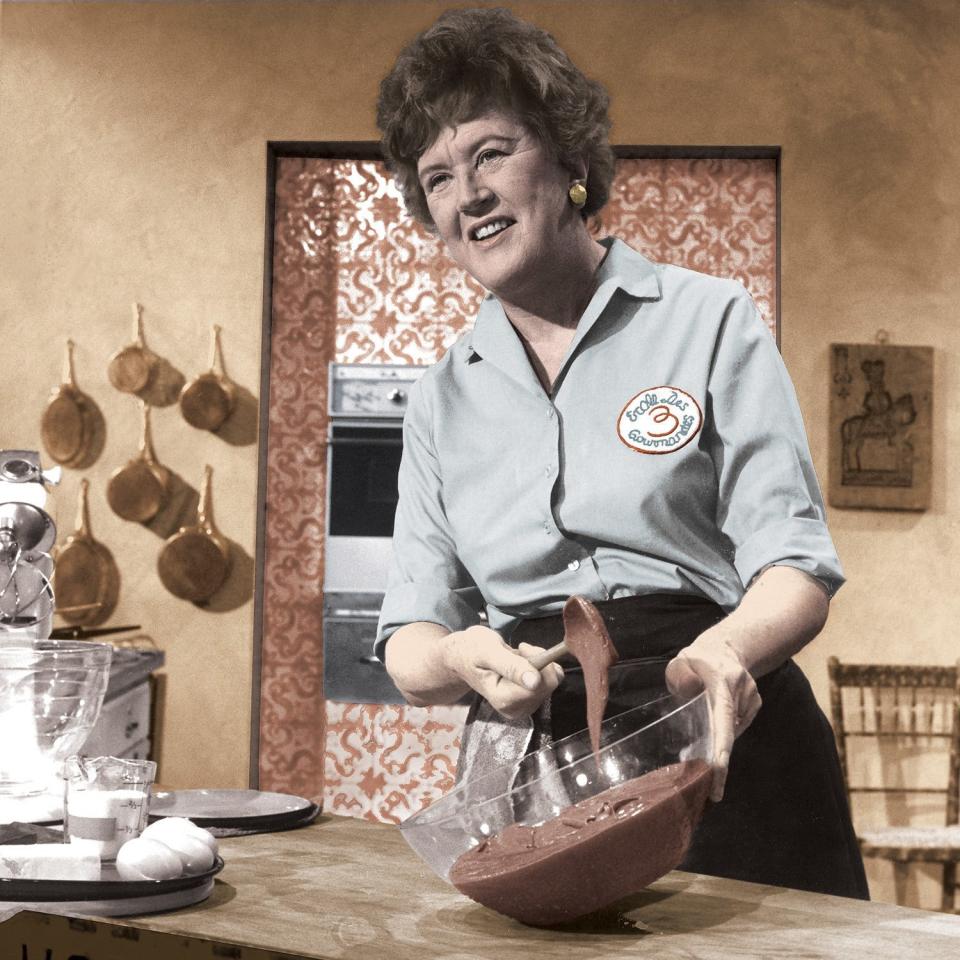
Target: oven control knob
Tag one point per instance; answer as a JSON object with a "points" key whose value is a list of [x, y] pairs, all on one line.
{"points": [[397, 396]]}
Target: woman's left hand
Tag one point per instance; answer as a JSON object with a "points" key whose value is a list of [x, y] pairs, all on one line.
{"points": [[711, 664], [782, 611]]}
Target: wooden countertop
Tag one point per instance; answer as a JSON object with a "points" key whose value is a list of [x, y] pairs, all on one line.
{"points": [[348, 888]]}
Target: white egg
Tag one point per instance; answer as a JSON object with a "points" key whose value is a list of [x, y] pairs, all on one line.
{"points": [[146, 859], [194, 854], [181, 826]]}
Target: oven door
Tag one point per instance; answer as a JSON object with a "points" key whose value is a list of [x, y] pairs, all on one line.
{"points": [[351, 673], [364, 462], [365, 445], [362, 467]]}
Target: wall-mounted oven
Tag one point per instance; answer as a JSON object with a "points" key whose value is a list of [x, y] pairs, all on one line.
{"points": [[365, 440]]}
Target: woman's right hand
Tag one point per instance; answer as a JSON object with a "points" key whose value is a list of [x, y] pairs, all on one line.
{"points": [[501, 675]]}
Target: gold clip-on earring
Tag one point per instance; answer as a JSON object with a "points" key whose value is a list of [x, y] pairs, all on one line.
{"points": [[578, 194]]}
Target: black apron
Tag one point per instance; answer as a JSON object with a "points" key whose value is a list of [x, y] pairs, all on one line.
{"points": [[784, 818]]}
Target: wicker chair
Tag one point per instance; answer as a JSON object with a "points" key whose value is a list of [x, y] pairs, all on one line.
{"points": [[903, 705]]}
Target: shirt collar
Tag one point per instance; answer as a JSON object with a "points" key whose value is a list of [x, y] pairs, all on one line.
{"points": [[494, 338], [630, 271]]}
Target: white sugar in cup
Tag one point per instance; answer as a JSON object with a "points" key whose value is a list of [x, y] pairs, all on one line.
{"points": [[106, 802], [101, 821]]}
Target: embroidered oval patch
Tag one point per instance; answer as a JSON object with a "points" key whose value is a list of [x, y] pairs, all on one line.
{"points": [[659, 420]]}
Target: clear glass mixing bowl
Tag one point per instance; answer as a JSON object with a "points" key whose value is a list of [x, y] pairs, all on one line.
{"points": [[665, 736], [51, 692]]}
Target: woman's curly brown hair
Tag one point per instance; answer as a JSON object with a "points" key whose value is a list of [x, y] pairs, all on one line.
{"points": [[470, 61]]}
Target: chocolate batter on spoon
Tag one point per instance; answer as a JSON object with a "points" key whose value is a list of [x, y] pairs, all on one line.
{"points": [[586, 637]]}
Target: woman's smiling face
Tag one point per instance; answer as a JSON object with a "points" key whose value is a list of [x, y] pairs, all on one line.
{"points": [[498, 197]]}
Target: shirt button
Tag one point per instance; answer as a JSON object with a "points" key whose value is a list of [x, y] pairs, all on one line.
{"points": [[546, 525], [550, 413], [573, 565], [547, 470]]}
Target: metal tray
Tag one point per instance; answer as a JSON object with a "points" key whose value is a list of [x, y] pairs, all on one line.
{"points": [[245, 809], [110, 896]]}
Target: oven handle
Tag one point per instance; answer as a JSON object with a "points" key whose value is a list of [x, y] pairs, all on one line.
{"points": [[365, 442], [337, 612]]}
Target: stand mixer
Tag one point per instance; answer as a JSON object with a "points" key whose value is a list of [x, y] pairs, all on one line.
{"points": [[27, 534], [51, 691]]}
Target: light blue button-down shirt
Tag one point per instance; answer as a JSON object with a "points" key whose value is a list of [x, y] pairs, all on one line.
{"points": [[670, 457]]}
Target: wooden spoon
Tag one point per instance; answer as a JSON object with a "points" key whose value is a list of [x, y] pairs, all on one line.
{"points": [[138, 490], [195, 561], [66, 425], [86, 579], [132, 366], [585, 636], [209, 398]]}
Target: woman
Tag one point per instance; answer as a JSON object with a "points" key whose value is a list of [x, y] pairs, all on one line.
{"points": [[612, 428]]}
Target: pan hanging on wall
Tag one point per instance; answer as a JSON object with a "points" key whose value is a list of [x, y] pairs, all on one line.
{"points": [[70, 421], [139, 489], [208, 400], [195, 561], [131, 367], [86, 578]]}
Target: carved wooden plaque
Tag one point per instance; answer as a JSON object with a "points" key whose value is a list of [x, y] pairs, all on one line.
{"points": [[881, 406]]}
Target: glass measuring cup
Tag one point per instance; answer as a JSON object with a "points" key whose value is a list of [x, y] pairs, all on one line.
{"points": [[106, 801]]}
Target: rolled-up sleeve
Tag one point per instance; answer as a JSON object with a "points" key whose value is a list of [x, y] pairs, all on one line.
{"points": [[769, 502], [427, 581]]}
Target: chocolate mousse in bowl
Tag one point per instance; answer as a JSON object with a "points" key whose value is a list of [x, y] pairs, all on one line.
{"points": [[569, 830]]}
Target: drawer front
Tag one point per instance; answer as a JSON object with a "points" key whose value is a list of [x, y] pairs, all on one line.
{"points": [[123, 723], [350, 672]]}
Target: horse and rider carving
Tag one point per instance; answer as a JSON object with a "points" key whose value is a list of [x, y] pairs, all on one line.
{"points": [[883, 429], [881, 425]]}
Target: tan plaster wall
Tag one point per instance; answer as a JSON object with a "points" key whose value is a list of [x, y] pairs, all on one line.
{"points": [[132, 166]]}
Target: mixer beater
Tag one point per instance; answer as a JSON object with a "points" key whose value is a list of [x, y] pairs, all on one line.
{"points": [[27, 535]]}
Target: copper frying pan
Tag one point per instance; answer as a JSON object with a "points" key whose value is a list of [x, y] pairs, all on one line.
{"points": [[139, 489], [195, 561], [132, 366], [208, 400], [68, 422], [86, 579]]}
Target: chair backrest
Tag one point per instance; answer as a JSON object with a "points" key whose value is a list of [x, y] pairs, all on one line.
{"points": [[891, 702]]}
